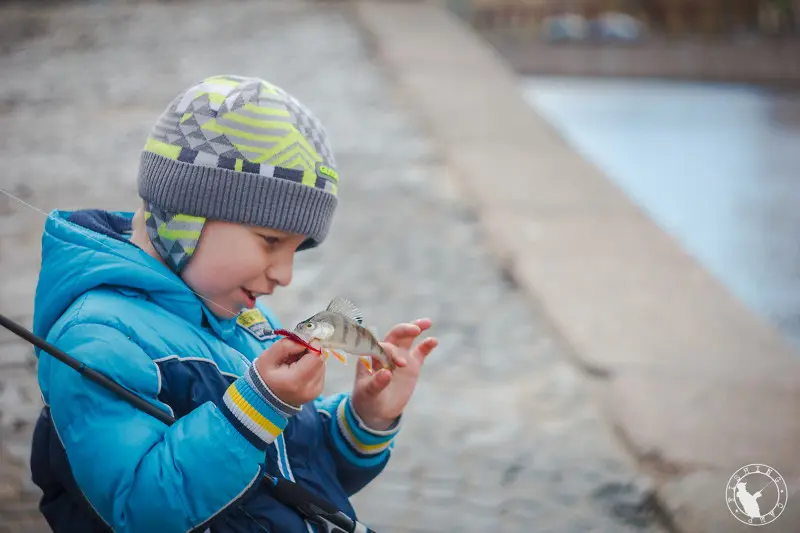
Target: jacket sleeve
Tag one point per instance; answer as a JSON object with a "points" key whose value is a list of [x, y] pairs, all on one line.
{"points": [[360, 453], [139, 474]]}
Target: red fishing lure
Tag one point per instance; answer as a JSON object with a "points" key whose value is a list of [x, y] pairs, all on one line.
{"points": [[296, 338]]}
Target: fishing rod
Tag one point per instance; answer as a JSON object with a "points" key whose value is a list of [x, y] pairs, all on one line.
{"points": [[314, 508]]}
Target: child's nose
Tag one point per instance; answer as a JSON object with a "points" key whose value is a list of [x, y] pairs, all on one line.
{"points": [[281, 271]]}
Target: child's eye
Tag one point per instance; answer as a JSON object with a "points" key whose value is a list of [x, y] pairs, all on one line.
{"points": [[272, 241]]}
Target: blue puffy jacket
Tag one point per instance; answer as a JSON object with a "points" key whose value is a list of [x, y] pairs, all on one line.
{"points": [[102, 464]]}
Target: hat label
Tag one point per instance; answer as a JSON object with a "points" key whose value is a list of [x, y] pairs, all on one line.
{"points": [[327, 173]]}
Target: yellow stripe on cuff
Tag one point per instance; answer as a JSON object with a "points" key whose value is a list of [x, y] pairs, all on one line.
{"points": [[367, 449], [252, 412]]}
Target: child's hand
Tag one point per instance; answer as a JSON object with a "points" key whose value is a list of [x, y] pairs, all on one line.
{"points": [[380, 398], [293, 374]]}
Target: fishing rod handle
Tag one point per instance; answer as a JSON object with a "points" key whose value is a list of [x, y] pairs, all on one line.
{"points": [[328, 515]]}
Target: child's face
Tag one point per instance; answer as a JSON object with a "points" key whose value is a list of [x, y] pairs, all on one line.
{"points": [[232, 259]]}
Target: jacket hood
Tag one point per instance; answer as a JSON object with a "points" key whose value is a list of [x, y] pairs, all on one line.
{"points": [[87, 249]]}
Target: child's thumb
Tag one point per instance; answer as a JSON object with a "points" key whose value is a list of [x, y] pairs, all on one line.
{"points": [[282, 352], [378, 382]]}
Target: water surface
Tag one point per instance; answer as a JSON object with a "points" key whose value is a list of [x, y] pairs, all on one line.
{"points": [[717, 166]]}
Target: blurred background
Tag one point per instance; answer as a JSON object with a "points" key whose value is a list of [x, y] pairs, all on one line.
{"points": [[684, 104], [690, 107]]}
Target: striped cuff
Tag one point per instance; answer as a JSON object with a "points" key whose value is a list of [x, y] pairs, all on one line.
{"points": [[365, 442], [255, 411]]}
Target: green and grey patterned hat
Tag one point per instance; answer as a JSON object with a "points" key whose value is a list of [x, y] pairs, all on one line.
{"points": [[236, 149]]}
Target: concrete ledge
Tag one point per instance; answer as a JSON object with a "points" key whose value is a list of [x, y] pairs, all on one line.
{"points": [[696, 386]]}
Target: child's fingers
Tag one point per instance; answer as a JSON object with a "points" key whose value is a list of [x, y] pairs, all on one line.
{"points": [[317, 381], [395, 353], [282, 352], [307, 369], [405, 329], [403, 335], [309, 365], [423, 324], [378, 382], [425, 348]]}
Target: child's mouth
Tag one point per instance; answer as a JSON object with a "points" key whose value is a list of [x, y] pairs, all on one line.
{"points": [[251, 299]]}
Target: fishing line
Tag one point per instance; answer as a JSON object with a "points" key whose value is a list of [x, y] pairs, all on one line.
{"points": [[81, 230]]}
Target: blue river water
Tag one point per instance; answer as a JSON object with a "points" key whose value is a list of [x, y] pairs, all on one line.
{"points": [[715, 165]]}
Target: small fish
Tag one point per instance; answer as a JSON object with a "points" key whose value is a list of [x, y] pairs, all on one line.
{"points": [[339, 329]]}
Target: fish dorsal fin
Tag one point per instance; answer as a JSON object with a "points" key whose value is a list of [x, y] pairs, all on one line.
{"points": [[345, 307]]}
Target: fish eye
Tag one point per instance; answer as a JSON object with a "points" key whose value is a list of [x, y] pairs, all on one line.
{"points": [[309, 325]]}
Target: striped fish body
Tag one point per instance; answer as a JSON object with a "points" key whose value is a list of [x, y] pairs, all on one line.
{"points": [[339, 329]]}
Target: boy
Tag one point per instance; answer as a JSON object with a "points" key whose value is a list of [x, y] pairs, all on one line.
{"points": [[236, 176]]}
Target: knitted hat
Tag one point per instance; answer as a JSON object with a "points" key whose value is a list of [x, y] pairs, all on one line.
{"points": [[241, 150]]}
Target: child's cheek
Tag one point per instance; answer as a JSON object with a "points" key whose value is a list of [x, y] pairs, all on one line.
{"points": [[206, 278], [225, 277], [223, 264]]}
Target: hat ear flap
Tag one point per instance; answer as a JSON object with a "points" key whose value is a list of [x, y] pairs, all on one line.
{"points": [[175, 236]]}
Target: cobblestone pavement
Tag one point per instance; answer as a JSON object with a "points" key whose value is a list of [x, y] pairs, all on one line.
{"points": [[501, 433]]}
